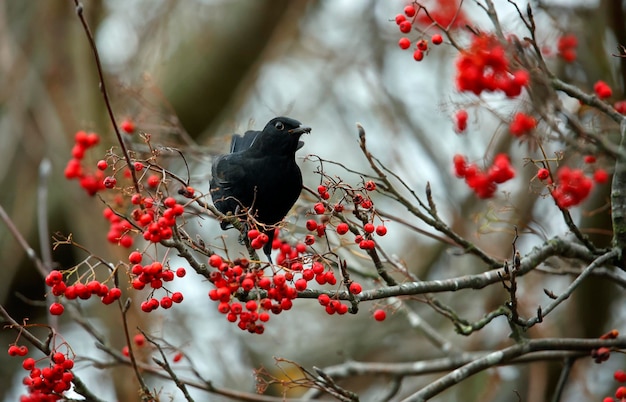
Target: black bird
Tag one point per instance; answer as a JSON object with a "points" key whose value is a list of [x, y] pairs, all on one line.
{"points": [[260, 174]]}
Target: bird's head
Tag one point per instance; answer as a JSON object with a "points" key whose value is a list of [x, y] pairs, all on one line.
{"points": [[281, 135]]}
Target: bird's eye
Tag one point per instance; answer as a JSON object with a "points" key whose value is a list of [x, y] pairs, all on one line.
{"points": [[279, 125]]}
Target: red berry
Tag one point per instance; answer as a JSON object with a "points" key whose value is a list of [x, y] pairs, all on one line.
{"points": [[28, 364], [404, 43], [300, 284], [399, 19], [58, 358], [127, 126], [589, 159], [422, 45], [253, 234], [381, 230], [602, 89], [522, 124], [135, 257], [620, 106], [153, 181], [247, 284], [355, 288], [323, 299], [319, 208], [177, 297], [342, 228], [215, 261], [14, 350], [317, 268], [409, 11], [139, 340], [311, 225], [180, 272], [56, 309], [110, 182], [54, 277], [405, 26], [369, 228], [620, 376], [115, 293], [370, 185], [309, 240], [600, 176], [177, 357], [102, 164], [380, 315], [461, 120], [436, 39], [166, 302], [251, 305], [543, 174], [329, 276], [418, 55], [22, 350], [321, 189]]}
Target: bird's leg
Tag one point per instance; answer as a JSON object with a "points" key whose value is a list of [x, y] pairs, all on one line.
{"points": [[267, 247]]}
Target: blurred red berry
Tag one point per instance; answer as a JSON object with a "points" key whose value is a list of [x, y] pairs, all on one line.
{"points": [[602, 89], [409, 11], [380, 315], [543, 174], [127, 126], [600, 176]]}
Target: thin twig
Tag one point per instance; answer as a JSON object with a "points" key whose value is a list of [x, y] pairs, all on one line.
{"points": [[105, 95]]}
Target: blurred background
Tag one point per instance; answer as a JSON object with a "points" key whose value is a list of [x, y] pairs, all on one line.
{"points": [[192, 73]]}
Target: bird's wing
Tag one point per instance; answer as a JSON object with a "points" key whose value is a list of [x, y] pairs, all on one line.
{"points": [[241, 143], [226, 169]]}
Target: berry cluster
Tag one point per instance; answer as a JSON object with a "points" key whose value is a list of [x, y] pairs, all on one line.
{"points": [[572, 187], [154, 275], [45, 384], [566, 47], [363, 208], [257, 239], [231, 278], [522, 124], [92, 182], [119, 229], [156, 219], [288, 254], [620, 392], [78, 290], [405, 26], [484, 66], [484, 183]]}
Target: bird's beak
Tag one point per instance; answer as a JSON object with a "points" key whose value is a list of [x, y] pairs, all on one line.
{"points": [[300, 130]]}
